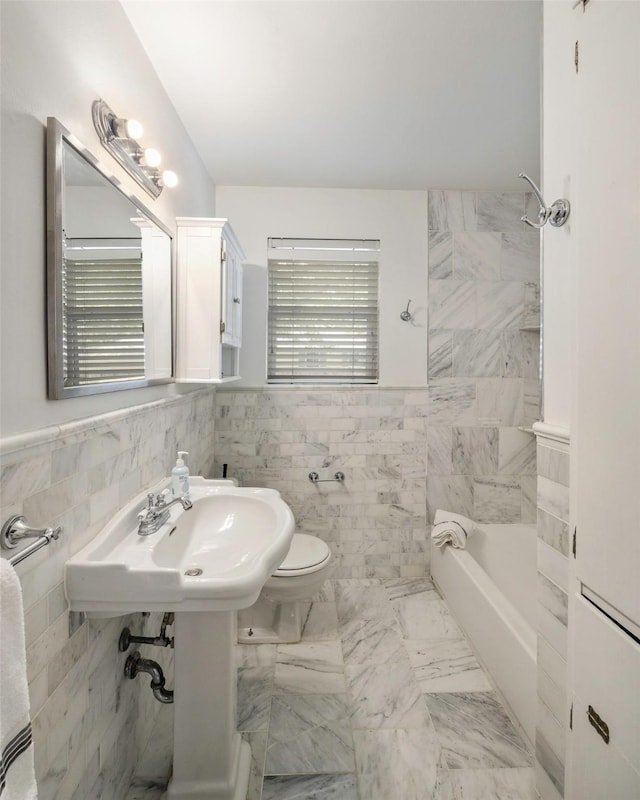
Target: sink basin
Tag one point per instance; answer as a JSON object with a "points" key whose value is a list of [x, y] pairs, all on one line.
{"points": [[214, 557]]}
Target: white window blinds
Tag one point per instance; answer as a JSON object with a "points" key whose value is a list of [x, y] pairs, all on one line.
{"points": [[104, 332], [323, 322]]}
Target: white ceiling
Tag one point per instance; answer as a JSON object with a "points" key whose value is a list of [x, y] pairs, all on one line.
{"points": [[397, 94]]}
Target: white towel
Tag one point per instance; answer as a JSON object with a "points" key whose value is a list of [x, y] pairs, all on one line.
{"points": [[452, 529], [17, 777]]}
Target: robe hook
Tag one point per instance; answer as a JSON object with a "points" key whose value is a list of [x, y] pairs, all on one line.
{"points": [[556, 214]]}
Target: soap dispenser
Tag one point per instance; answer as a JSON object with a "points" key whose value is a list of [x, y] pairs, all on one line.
{"points": [[180, 476]]}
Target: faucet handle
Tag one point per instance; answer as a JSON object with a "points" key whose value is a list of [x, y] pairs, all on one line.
{"points": [[161, 499]]}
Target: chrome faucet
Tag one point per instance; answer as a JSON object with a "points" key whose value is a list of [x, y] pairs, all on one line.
{"points": [[156, 512]]}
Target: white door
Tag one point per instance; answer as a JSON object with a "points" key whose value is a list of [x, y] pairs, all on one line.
{"points": [[231, 296], [605, 228]]}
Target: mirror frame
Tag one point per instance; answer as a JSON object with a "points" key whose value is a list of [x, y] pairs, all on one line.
{"points": [[57, 136]]}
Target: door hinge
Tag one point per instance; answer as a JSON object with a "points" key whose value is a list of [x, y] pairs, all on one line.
{"points": [[576, 57], [223, 327], [571, 717], [575, 536]]}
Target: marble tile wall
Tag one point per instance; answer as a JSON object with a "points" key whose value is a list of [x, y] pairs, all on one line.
{"points": [[374, 522], [89, 722], [554, 544], [484, 312]]}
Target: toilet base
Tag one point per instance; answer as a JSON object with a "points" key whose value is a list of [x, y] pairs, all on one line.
{"points": [[267, 622]]}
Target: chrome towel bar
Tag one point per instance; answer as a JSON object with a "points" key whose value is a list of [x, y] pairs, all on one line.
{"points": [[16, 528]]}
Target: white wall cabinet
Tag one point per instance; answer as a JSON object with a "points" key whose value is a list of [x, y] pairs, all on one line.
{"points": [[604, 756], [209, 301], [231, 293], [606, 191], [606, 726]]}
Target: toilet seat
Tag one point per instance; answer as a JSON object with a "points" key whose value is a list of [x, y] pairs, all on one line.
{"points": [[307, 554]]}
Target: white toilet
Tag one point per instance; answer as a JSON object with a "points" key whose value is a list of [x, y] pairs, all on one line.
{"points": [[280, 612]]}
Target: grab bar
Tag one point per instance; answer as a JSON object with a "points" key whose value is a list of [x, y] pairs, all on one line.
{"points": [[315, 478], [16, 528]]}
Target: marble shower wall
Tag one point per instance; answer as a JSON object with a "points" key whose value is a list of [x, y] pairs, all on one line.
{"points": [[484, 342], [89, 722], [407, 451]]}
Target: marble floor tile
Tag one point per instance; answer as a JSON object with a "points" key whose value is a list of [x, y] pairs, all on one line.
{"points": [[321, 623], [385, 696], [310, 787], [402, 764], [309, 733], [361, 601], [309, 668], [254, 697], [325, 595], [141, 789], [493, 784], [371, 641], [425, 616], [474, 731], [393, 656], [404, 587], [446, 665], [255, 655], [258, 744]]}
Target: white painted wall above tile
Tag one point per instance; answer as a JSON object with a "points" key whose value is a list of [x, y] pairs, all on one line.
{"points": [[397, 218]]}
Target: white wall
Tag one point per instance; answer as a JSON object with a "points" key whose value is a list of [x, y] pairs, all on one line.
{"points": [[559, 131], [57, 58], [397, 218]]}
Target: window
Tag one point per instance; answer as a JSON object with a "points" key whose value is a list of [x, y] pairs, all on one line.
{"points": [[323, 320], [104, 330]]}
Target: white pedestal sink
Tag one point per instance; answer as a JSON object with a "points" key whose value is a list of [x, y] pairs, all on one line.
{"points": [[204, 564], [210, 761]]}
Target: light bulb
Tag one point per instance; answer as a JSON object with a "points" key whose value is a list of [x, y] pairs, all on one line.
{"points": [[126, 128], [169, 178], [152, 157], [134, 129]]}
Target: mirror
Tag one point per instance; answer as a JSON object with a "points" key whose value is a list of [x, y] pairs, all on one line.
{"points": [[109, 279]]}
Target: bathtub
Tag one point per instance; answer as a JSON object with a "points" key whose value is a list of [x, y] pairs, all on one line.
{"points": [[490, 588]]}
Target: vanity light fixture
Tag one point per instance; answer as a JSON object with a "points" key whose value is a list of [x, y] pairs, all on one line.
{"points": [[120, 137]]}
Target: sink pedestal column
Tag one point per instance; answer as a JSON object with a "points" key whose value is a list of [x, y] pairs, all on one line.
{"points": [[210, 760]]}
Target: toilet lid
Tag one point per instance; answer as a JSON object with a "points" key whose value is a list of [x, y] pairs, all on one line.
{"points": [[305, 551]]}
